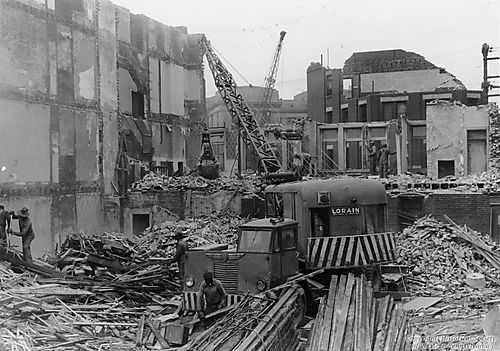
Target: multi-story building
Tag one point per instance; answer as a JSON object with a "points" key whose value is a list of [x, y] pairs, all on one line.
{"points": [[224, 130], [379, 96], [89, 95]]}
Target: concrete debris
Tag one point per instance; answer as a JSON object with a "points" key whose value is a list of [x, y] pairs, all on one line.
{"points": [[248, 184], [442, 256], [351, 318], [486, 182]]}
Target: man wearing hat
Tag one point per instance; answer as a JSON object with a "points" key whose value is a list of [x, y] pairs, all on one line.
{"points": [[26, 232], [211, 296], [180, 251]]}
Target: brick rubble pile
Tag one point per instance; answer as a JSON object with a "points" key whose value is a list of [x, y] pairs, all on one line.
{"points": [[248, 184], [442, 255]]}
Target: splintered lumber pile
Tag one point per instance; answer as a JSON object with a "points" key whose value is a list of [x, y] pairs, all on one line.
{"points": [[256, 324], [158, 241], [442, 255], [37, 314], [351, 319], [142, 262], [248, 184]]}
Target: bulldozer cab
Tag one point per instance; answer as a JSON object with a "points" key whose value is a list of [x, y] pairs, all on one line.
{"points": [[276, 240], [265, 256]]}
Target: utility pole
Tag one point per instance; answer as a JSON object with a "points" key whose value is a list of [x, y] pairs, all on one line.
{"points": [[486, 85]]}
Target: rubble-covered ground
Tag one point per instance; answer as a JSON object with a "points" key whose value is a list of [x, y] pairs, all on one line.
{"points": [[485, 182], [442, 256], [117, 293]]}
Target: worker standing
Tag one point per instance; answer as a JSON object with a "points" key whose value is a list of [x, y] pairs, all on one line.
{"points": [[4, 224], [383, 161], [372, 157], [180, 252], [26, 232], [211, 296]]}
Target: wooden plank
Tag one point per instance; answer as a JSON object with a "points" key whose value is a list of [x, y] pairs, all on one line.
{"points": [[342, 313], [389, 341], [357, 313], [364, 315], [156, 332], [348, 340], [421, 303], [402, 325], [318, 323], [339, 300], [140, 331], [371, 316], [382, 324], [327, 321]]}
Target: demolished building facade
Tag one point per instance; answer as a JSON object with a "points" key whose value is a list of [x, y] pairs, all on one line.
{"points": [[92, 96], [382, 96]]}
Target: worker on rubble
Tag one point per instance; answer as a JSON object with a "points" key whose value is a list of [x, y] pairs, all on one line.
{"points": [[211, 296], [26, 232], [180, 251], [4, 224], [372, 157], [383, 160]]}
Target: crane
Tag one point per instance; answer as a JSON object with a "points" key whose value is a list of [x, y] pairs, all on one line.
{"points": [[270, 80], [238, 109]]}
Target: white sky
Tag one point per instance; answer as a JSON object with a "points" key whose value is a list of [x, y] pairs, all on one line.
{"points": [[448, 33]]}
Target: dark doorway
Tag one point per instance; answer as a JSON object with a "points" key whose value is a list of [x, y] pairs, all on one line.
{"points": [[140, 222], [476, 151], [495, 222], [446, 168], [320, 222], [410, 208], [137, 104]]}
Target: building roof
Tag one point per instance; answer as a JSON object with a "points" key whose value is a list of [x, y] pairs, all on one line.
{"points": [[385, 61], [343, 190]]}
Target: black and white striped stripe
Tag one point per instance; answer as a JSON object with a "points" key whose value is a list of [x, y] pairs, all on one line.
{"points": [[353, 250]]}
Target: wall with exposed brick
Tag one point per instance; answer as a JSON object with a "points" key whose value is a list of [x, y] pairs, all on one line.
{"points": [[472, 209]]}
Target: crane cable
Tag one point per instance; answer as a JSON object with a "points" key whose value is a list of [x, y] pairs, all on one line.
{"points": [[230, 65]]}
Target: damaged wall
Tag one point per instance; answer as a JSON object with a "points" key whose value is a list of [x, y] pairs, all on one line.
{"points": [[456, 139], [77, 78], [494, 136]]}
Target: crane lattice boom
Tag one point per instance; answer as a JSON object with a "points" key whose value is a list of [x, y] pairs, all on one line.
{"points": [[271, 79], [238, 108]]}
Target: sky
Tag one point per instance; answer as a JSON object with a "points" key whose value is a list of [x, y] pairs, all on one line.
{"points": [[448, 33]]}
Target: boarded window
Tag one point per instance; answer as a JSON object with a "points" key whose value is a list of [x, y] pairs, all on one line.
{"points": [[476, 151], [418, 152]]}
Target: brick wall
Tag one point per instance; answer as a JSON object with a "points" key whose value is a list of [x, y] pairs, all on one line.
{"points": [[173, 201], [472, 209]]}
